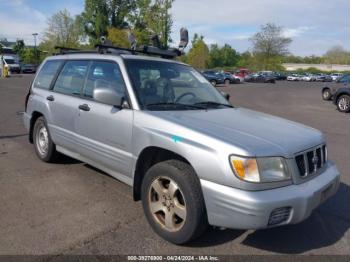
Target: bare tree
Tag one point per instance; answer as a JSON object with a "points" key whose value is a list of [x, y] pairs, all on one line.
{"points": [[269, 45], [270, 41]]}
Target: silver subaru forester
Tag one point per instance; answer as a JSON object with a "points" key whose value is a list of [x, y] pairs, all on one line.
{"points": [[191, 157]]}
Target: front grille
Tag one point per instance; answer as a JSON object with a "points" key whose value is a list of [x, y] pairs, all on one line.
{"points": [[309, 162], [279, 215]]}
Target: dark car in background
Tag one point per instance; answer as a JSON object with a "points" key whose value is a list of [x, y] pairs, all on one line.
{"points": [[213, 77], [331, 88], [260, 78], [28, 69], [339, 92], [280, 76], [323, 78], [230, 79]]}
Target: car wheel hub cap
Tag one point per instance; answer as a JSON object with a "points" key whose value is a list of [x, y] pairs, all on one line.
{"points": [[167, 204], [344, 104], [43, 141]]}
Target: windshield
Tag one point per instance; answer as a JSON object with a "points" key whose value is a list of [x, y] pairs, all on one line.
{"points": [[171, 86], [9, 61]]}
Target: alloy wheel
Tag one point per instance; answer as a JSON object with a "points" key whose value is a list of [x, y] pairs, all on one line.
{"points": [[167, 204]]}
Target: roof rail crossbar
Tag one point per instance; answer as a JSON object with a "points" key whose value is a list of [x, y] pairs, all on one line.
{"points": [[149, 50]]}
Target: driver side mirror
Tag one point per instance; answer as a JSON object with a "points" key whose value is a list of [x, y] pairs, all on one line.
{"points": [[108, 96], [225, 95]]}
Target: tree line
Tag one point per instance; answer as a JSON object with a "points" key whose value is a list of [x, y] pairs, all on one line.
{"points": [[114, 19]]}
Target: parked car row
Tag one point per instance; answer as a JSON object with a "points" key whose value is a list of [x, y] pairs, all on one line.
{"points": [[339, 93], [314, 77]]}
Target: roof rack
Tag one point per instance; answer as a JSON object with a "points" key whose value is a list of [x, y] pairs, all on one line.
{"points": [[107, 48], [148, 50], [67, 50]]}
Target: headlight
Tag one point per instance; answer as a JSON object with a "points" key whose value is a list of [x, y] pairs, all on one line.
{"points": [[260, 170]]}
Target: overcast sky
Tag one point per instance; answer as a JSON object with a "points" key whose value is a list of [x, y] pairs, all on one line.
{"points": [[314, 25]]}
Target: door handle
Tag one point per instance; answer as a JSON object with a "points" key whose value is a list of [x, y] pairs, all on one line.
{"points": [[50, 98], [84, 107]]}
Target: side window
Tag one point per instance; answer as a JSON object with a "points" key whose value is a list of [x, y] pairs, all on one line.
{"points": [[72, 77], [104, 74], [47, 73]]}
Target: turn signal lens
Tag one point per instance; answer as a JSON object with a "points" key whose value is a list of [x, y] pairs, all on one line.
{"points": [[245, 168]]}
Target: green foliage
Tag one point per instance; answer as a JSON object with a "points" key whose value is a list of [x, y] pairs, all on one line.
{"points": [[337, 55], [144, 17], [304, 60], [118, 37], [28, 56], [63, 30], [19, 47], [95, 19], [198, 56], [222, 57]]}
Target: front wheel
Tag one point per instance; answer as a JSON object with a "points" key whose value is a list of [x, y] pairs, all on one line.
{"points": [[343, 103], [173, 202], [213, 82], [326, 94]]}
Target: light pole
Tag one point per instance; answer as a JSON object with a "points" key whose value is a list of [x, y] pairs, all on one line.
{"points": [[35, 51]]}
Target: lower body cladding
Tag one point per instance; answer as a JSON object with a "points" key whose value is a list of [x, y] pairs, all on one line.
{"points": [[234, 208]]}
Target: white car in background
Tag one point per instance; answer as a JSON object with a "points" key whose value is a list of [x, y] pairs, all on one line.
{"points": [[293, 77], [308, 78], [336, 76]]}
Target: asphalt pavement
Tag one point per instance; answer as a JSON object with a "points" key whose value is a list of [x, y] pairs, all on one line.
{"points": [[72, 208]]}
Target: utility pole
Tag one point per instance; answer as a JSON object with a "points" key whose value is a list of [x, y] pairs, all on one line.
{"points": [[35, 50], [1, 62]]}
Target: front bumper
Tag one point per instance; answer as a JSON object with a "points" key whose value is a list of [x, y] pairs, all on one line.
{"points": [[234, 208]]}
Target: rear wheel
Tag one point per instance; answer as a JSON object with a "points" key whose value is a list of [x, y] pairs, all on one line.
{"points": [[44, 147], [173, 202], [326, 94], [213, 82], [343, 103]]}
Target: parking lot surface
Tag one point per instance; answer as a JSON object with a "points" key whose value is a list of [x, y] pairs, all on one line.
{"points": [[72, 208]]}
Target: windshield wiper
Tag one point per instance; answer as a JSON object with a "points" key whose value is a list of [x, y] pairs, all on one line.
{"points": [[171, 104], [212, 103]]}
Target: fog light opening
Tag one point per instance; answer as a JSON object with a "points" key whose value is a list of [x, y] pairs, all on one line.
{"points": [[279, 215]]}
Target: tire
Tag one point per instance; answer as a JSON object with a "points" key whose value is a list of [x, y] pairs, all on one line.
{"points": [[326, 94], [183, 226], [213, 82], [343, 103], [43, 145], [227, 82]]}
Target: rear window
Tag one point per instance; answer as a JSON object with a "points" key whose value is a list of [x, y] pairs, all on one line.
{"points": [[47, 73]]}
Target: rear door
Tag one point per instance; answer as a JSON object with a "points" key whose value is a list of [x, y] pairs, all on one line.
{"points": [[64, 103], [104, 131]]}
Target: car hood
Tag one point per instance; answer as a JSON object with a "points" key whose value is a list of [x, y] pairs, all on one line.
{"points": [[258, 134]]}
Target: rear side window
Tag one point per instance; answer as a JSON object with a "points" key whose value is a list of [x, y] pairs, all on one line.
{"points": [[104, 74], [47, 73], [72, 77]]}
